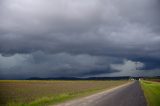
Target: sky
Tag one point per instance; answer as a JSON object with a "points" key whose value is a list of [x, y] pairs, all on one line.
{"points": [[79, 38]]}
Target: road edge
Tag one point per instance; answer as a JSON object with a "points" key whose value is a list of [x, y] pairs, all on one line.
{"points": [[66, 103]]}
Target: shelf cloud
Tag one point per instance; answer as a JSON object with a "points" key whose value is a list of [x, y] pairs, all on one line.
{"points": [[51, 38]]}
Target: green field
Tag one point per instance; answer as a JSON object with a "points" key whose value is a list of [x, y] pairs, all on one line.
{"points": [[152, 92], [43, 93]]}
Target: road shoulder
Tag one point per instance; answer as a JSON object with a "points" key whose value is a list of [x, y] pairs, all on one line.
{"points": [[92, 97]]}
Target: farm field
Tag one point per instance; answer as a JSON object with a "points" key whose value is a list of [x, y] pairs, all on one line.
{"points": [[43, 93], [155, 80], [152, 92]]}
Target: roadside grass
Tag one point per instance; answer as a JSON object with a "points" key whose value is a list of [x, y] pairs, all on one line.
{"points": [[152, 92], [44, 93]]}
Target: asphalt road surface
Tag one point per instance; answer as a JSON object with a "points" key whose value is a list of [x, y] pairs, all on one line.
{"points": [[125, 95]]}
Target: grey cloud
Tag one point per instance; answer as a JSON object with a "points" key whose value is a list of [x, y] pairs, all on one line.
{"points": [[128, 29], [128, 67], [29, 26], [40, 64]]}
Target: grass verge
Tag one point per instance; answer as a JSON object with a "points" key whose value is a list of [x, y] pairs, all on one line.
{"points": [[45, 101], [152, 92]]}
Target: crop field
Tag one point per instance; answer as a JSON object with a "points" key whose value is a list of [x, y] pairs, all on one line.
{"points": [[155, 80], [152, 92], [43, 93]]}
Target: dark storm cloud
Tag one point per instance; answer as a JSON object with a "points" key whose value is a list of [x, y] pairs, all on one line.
{"points": [[105, 29], [41, 65]]}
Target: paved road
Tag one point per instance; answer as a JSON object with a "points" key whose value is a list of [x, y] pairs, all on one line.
{"points": [[125, 95]]}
